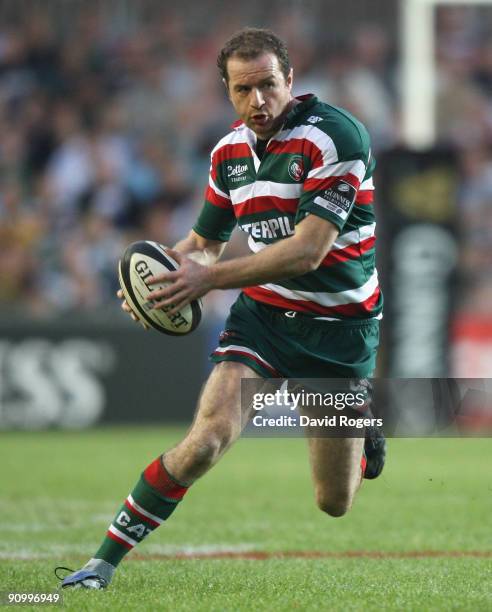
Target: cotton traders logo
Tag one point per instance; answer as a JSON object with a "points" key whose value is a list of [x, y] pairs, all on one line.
{"points": [[296, 168], [237, 170]]}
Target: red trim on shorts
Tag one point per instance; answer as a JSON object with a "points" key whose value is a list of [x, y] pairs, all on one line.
{"points": [[252, 357]]}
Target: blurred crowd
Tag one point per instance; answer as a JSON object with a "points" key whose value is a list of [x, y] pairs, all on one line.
{"points": [[106, 129]]}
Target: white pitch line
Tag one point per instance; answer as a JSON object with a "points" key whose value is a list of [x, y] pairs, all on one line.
{"points": [[55, 525], [198, 549], [52, 551], [49, 502]]}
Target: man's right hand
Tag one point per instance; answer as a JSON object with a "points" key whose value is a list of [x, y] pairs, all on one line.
{"points": [[126, 307]]}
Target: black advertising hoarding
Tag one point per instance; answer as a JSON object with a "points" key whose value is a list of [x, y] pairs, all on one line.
{"points": [[418, 253], [79, 373]]}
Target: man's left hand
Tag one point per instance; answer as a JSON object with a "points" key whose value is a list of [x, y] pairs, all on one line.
{"points": [[188, 283]]}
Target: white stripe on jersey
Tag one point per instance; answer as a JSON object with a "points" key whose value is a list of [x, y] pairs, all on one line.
{"points": [[345, 240], [367, 185], [266, 188], [354, 237], [355, 167], [314, 135], [351, 296], [232, 138], [256, 247]]}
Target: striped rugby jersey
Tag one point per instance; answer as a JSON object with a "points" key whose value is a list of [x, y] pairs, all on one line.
{"points": [[319, 163]]}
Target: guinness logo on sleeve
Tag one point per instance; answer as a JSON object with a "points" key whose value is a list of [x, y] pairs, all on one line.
{"points": [[338, 199]]}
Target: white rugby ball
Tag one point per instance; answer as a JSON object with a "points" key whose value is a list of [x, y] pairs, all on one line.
{"points": [[140, 261]]}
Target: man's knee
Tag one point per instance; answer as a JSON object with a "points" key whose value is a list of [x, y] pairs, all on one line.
{"points": [[217, 424], [199, 451], [208, 448], [335, 504]]}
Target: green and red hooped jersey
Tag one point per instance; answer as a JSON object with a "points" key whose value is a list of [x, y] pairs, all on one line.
{"points": [[319, 163]]}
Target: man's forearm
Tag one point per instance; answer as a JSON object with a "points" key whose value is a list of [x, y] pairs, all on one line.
{"points": [[294, 256], [199, 249], [284, 259], [288, 258]]}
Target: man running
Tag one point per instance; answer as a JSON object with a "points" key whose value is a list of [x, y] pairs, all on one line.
{"points": [[295, 174]]}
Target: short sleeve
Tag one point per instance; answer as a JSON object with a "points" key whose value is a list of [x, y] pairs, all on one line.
{"points": [[337, 171], [330, 191], [217, 219]]}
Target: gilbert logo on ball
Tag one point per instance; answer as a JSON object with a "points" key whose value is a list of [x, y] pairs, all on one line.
{"points": [[141, 261]]}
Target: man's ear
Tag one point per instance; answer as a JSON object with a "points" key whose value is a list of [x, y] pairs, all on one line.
{"points": [[290, 78], [226, 85]]}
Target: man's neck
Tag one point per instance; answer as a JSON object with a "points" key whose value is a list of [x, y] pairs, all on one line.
{"points": [[260, 148]]}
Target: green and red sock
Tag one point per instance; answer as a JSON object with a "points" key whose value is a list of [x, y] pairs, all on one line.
{"points": [[363, 463], [151, 502]]}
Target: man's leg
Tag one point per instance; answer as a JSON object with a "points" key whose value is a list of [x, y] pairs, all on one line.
{"points": [[337, 468], [336, 471], [217, 424]]}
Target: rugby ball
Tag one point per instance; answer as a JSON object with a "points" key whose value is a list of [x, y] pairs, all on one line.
{"points": [[141, 261]]}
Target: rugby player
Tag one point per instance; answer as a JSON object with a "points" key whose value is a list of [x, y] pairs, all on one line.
{"points": [[296, 175]]}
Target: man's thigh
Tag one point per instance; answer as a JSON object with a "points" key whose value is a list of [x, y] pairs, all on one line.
{"points": [[219, 419], [220, 399]]}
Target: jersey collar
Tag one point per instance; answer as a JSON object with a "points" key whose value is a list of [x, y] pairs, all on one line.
{"points": [[306, 101]]}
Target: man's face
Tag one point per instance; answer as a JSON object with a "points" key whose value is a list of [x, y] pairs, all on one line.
{"points": [[259, 92]]}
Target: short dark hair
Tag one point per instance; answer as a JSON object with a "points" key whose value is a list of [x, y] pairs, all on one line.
{"points": [[249, 43]]}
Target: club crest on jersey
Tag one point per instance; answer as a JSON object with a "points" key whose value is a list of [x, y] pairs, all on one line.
{"points": [[296, 168]]}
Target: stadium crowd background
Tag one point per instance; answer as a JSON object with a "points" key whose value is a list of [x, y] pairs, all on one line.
{"points": [[108, 112]]}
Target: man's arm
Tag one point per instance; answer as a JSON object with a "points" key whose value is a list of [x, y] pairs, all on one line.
{"points": [[288, 258], [202, 250]]}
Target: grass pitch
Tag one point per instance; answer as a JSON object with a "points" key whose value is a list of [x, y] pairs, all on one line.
{"points": [[418, 538]]}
